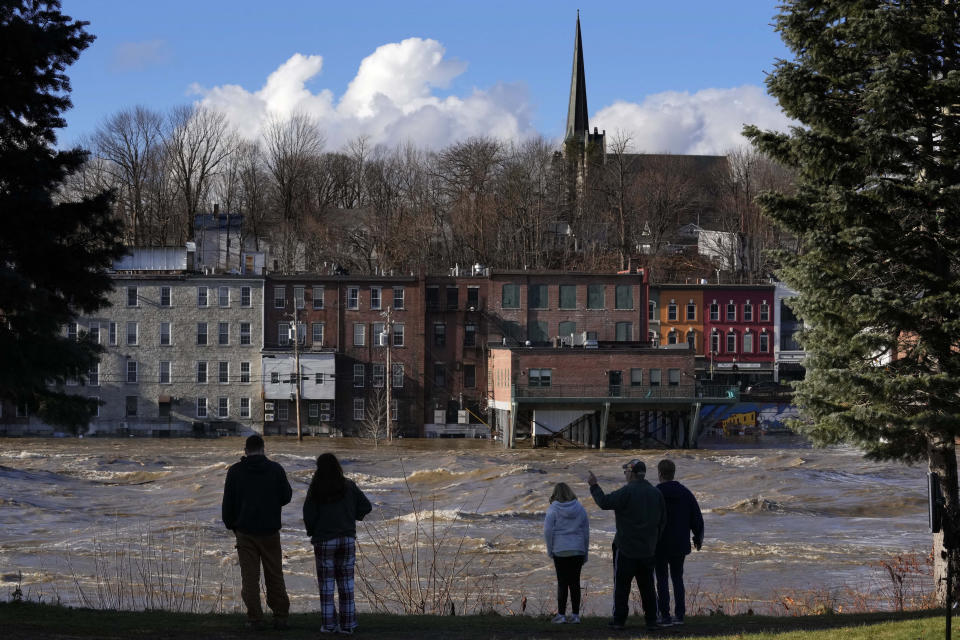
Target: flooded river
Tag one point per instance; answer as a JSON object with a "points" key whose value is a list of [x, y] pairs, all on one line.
{"points": [[136, 523]]}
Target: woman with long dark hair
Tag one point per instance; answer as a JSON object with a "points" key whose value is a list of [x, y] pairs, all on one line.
{"points": [[333, 506]]}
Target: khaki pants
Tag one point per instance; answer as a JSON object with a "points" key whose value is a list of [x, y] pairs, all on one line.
{"points": [[254, 551]]}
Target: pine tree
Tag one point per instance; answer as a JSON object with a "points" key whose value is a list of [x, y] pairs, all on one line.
{"points": [[53, 252], [875, 86]]}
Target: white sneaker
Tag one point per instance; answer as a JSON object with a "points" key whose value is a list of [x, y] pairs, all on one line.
{"points": [[559, 619], [335, 629], [574, 618]]}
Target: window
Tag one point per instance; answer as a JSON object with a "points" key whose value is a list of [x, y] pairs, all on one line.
{"points": [[672, 311], [624, 331], [692, 339], [244, 372], [132, 297], [164, 372], [93, 333], [165, 334], [691, 311], [537, 331], [245, 301], [394, 408], [375, 297], [764, 312], [398, 334], [359, 335], [202, 372], [164, 296], [223, 407], [353, 298], [202, 296], [653, 337], [595, 296], [379, 375], [93, 376], [715, 342], [131, 407], [274, 377], [764, 343], [510, 296], [624, 296], [731, 343], [439, 375], [469, 376], [223, 333], [223, 296], [301, 332], [748, 312], [714, 311], [283, 333], [672, 337], [318, 378], [470, 335], [358, 380], [317, 297], [112, 331], [439, 334], [244, 333], [673, 377], [298, 296], [131, 371], [568, 296], [283, 411], [731, 312], [473, 297], [201, 333], [317, 331], [654, 377], [748, 342], [537, 296], [567, 328], [72, 331], [433, 298], [539, 377], [398, 297], [453, 298], [223, 372], [398, 376], [133, 333], [636, 377], [358, 409], [244, 407], [377, 333], [651, 310], [201, 407], [279, 297]]}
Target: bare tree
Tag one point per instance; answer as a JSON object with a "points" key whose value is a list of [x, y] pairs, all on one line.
{"points": [[292, 146], [198, 143], [468, 170], [374, 424]]}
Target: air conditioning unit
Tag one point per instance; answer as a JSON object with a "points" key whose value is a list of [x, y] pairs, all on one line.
{"points": [[382, 339], [268, 417], [324, 417], [268, 406]]}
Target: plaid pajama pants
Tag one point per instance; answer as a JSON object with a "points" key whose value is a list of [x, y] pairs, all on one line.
{"points": [[335, 562]]}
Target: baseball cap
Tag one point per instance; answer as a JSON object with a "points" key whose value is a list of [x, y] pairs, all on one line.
{"points": [[635, 466]]}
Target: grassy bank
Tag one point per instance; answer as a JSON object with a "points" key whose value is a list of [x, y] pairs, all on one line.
{"points": [[29, 620]]}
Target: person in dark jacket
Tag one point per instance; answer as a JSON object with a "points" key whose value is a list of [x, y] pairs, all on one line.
{"points": [[640, 518], [330, 512], [683, 519], [255, 491]]}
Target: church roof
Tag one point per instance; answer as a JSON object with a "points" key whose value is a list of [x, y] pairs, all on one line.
{"points": [[577, 120]]}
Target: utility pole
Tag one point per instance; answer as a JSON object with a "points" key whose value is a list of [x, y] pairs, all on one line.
{"points": [[295, 333], [388, 378]]}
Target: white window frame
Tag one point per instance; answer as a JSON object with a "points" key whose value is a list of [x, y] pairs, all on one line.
{"points": [[358, 409], [112, 334], [731, 336], [397, 375], [203, 372], [376, 298], [244, 407], [223, 296], [203, 297], [353, 298], [246, 296], [398, 331], [135, 335], [317, 294], [223, 372], [166, 339], [398, 294], [379, 375], [245, 372], [359, 376], [318, 331], [747, 342], [245, 334], [764, 342], [223, 407], [359, 334], [133, 372], [748, 312], [280, 297], [164, 372], [223, 338], [205, 334], [201, 407], [134, 295]]}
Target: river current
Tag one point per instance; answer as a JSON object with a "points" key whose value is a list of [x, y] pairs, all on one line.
{"points": [[84, 520]]}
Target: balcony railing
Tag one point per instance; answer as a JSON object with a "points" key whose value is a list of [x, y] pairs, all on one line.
{"points": [[639, 392]]}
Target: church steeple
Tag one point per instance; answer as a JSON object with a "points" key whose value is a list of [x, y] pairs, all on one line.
{"points": [[577, 124]]}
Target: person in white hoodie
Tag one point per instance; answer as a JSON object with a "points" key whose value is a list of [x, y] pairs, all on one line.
{"points": [[566, 530]]}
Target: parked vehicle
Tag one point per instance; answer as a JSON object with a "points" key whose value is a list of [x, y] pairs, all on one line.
{"points": [[768, 388]]}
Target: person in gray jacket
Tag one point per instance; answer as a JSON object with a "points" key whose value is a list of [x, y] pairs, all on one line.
{"points": [[333, 506], [566, 531], [640, 519]]}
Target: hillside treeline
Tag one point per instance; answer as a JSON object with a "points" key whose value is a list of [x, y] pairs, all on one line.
{"points": [[408, 209]]}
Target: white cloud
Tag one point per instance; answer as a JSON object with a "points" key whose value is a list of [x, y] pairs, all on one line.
{"points": [[137, 56], [391, 99], [706, 122]]}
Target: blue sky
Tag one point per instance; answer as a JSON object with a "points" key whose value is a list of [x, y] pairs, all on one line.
{"points": [[679, 77]]}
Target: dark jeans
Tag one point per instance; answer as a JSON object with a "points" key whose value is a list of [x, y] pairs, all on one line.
{"points": [[568, 579], [625, 570], [672, 565], [252, 552]]}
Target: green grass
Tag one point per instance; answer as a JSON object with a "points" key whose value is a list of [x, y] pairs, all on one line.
{"points": [[30, 620]]}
